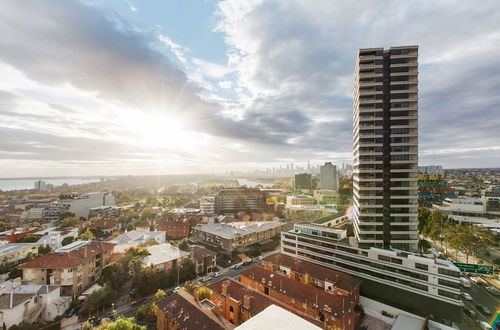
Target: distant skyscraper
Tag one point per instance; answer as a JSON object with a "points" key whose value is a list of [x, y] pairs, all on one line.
{"points": [[386, 147], [328, 177]]}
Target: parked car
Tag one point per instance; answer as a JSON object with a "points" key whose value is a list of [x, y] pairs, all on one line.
{"points": [[483, 309], [237, 266], [248, 262], [484, 325], [466, 296], [494, 291], [206, 278], [464, 282], [218, 274], [177, 288], [73, 311], [470, 312]]}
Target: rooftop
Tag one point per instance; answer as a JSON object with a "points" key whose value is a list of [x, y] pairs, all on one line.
{"points": [[230, 230], [336, 305], [342, 280], [191, 314], [137, 236], [163, 253], [70, 258], [13, 247], [275, 317]]}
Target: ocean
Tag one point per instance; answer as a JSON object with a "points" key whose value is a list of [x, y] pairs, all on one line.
{"points": [[22, 184]]}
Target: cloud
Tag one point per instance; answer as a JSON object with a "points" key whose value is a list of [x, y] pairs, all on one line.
{"points": [[225, 84]]}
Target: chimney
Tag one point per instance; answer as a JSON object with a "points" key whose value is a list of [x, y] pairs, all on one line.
{"points": [[224, 288], [196, 295], [16, 282], [85, 252], [276, 259], [246, 301], [337, 279]]}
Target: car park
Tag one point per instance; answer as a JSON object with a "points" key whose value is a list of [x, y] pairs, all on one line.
{"points": [[469, 312], [483, 309]]}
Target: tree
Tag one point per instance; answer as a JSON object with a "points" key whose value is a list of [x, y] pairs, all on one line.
{"points": [[147, 312], [115, 275], [130, 226], [101, 298], [204, 293], [148, 214], [95, 219], [29, 239], [66, 214], [423, 218], [121, 323], [87, 236], [43, 249], [69, 222], [184, 246], [67, 240]]}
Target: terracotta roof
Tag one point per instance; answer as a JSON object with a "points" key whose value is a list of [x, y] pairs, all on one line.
{"points": [[298, 290], [342, 280], [54, 260], [191, 314], [102, 224], [258, 300], [17, 298]]}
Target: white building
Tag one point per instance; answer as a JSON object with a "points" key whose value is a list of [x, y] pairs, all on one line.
{"points": [[207, 205], [164, 256], [40, 185], [30, 303], [80, 204], [135, 238], [54, 236]]}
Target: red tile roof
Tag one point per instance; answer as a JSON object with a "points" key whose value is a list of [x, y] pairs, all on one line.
{"points": [[342, 280], [299, 291], [54, 260]]}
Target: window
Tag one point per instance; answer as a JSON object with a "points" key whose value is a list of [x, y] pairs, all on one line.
{"points": [[448, 294], [421, 266], [448, 272], [449, 283], [231, 309], [384, 258]]}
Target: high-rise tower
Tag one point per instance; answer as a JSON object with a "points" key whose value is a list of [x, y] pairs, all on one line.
{"points": [[386, 147], [328, 178]]}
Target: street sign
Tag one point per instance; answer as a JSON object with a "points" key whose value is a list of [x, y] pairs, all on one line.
{"points": [[474, 268]]}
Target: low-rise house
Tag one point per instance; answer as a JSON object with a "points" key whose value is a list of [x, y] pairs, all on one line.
{"points": [[106, 226], [231, 235], [30, 303], [205, 260], [135, 238], [14, 253], [164, 257], [73, 267], [53, 236]]}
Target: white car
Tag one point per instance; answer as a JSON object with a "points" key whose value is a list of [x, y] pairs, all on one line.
{"points": [[177, 288], [466, 296], [477, 280], [206, 279], [484, 325], [218, 274]]}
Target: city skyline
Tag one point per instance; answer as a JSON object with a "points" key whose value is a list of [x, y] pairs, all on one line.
{"points": [[127, 87]]}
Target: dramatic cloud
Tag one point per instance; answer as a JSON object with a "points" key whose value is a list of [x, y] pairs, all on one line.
{"points": [[83, 86]]}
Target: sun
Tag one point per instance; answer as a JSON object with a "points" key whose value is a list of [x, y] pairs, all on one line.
{"points": [[160, 131]]}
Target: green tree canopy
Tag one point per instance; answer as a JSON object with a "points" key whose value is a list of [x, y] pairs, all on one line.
{"points": [[66, 214], [87, 236]]}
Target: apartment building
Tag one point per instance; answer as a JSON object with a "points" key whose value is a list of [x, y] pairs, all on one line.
{"points": [[13, 253], [228, 236], [233, 200], [328, 178], [81, 204], [300, 200], [415, 283], [73, 267], [207, 205], [163, 257], [386, 147], [332, 310]]}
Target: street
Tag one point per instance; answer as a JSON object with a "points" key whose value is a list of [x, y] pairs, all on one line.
{"points": [[483, 297]]}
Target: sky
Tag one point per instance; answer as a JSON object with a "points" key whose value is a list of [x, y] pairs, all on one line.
{"points": [[100, 87]]}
